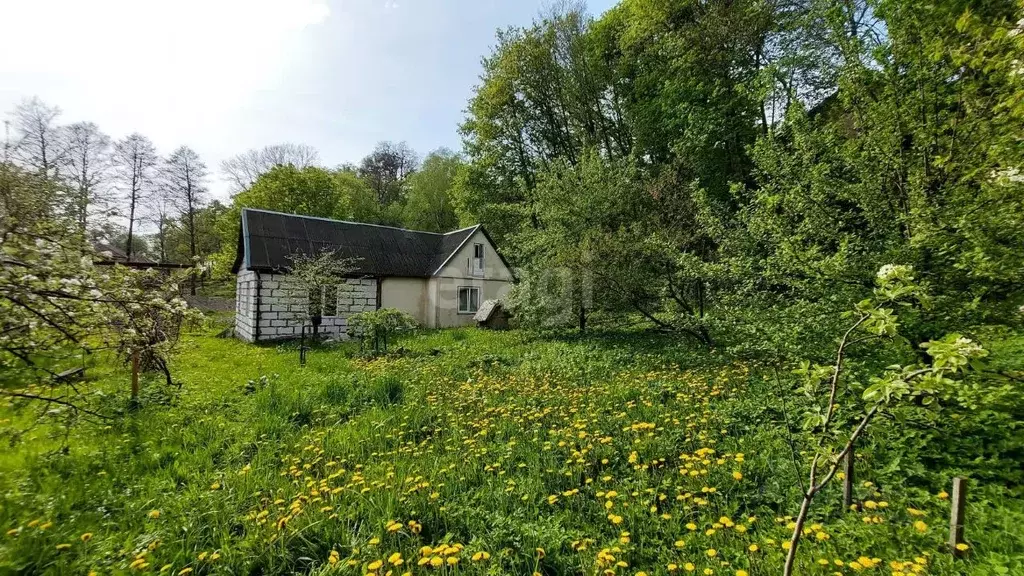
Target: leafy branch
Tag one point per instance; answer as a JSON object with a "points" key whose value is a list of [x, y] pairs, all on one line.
{"points": [[950, 356]]}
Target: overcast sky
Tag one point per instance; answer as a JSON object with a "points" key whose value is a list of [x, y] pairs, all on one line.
{"points": [[223, 76]]}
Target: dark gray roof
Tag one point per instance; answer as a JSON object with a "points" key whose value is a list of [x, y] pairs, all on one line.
{"points": [[267, 240]]}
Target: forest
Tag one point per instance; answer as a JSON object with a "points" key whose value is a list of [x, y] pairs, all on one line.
{"points": [[769, 304]]}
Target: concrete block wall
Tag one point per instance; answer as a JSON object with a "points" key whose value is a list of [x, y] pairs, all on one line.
{"points": [[283, 306], [245, 305]]}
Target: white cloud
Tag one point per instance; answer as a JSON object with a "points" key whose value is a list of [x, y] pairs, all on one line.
{"points": [[176, 70]]}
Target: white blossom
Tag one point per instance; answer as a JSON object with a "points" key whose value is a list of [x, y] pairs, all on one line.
{"points": [[890, 272]]}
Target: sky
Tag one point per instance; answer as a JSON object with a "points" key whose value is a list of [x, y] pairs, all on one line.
{"points": [[224, 76]]}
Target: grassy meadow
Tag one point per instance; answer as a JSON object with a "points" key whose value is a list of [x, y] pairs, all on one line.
{"points": [[477, 452]]}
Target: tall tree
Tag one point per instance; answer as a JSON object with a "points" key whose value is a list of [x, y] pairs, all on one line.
{"points": [[186, 178], [135, 164], [386, 169], [88, 161], [38, 137], [243, 170], [429, 206], [162, 215]]}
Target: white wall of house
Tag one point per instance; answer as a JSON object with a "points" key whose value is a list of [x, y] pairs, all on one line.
{"points": [[283, 305], [460, 265], [493, 279], [445, 292], [406, 294]]}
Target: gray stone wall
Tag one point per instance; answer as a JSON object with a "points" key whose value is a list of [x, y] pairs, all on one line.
{"points": [[283, 306]]}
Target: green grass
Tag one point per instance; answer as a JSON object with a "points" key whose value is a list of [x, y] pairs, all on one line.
{"points": [[489, 442]]}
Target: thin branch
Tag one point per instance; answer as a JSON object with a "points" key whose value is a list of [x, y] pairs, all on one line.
{"points": [[53, 400]]}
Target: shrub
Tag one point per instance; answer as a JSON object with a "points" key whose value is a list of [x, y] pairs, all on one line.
{"points": [[375, 328]]}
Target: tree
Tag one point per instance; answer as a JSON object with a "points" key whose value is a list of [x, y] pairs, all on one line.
{"points": [[243, 170], [363, 206], [56, 304], [310, 191], [87, 160], [186, 178], [318, 276], [429, 206], [39, 144], [208, 239], [386, 169], [135, 164], [896, 392], [162, 213]]}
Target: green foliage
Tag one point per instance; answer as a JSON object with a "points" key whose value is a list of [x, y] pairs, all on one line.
{"points": [[779, 156], [315, 273], [57, 305], [428, 204], [376, 328], [311, 191]]}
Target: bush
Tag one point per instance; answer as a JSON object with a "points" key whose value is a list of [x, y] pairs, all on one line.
{"points": [[377, 327]]}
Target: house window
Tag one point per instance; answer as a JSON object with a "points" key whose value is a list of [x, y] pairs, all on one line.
{"points": [[477, 265], [469, 299], [323, 301], [330, 300]]}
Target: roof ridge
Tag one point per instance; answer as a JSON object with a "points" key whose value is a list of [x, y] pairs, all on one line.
{"points": [[357, 223]]}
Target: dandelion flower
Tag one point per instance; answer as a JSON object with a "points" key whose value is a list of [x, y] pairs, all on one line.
{"points": [[154, 514]]}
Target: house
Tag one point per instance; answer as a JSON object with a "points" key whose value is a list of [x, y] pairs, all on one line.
{"points": [[439, 279]]}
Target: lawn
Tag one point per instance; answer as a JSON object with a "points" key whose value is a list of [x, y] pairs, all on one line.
{"points": [[475, 452]]}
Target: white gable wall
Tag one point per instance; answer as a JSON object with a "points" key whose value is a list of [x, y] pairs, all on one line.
{"points": [[443, 289]]}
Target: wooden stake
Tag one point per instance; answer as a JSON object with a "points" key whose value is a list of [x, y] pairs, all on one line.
{"points": [[848, 481], [135, 376], [958, 501]]}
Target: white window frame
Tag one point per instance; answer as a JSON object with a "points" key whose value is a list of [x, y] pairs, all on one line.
{"points": [[469, 299], [476, 264]]}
